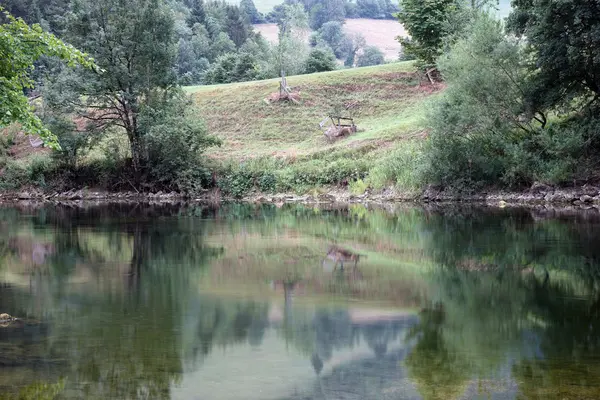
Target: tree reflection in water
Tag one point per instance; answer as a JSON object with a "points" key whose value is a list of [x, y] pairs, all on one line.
{"points": [[112, 300]]}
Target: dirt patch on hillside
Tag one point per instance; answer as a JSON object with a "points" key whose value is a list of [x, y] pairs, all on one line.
{"points": [[22, 148]]}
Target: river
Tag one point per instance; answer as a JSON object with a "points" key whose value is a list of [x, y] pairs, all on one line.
{"points": [[295, 302]]}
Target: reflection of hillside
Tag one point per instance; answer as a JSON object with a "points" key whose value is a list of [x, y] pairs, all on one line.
{"points": [[188, 301], [231, 336]]}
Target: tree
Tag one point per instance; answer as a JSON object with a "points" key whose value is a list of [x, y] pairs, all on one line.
{"points": [[233, 67], [477, 124], [20, 47], [236, 26], [320, 60], [371, 55], [332, 33], [249, 9], [292, 22], [563, 39], [327, 11], [133, 41], [426, 22], [352, 45], [197, 13]]}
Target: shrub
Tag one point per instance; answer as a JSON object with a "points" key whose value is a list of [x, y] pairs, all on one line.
{"points": [[267, 182], [371, 55], [174, 150], [403, 168], [358, 187], [320, 60], [175, 142], [236, 181], [33, 171], [477, 121]]}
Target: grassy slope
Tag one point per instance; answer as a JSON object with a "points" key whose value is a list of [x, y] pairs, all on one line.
{"points": [[386, 101]]}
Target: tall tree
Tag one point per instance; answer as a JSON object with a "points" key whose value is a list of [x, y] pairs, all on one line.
{"points": [[133, 42], [564, 42], [291, 23], [237, 28], [249, 9], [197, 13], [20, 47], [426, 22], [326, 11]]}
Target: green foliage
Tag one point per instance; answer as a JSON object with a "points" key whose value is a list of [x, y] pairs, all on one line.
{"points": [[479, 113], [320, 60], [402, 168], [267, 183], [290, 53], [376, 9], [138, 56], [427, 24], [20, 47], [358, 187], [34, 171], [563, 40], [332, 33], [37, 391], [326, 11], [371, 55], [175, 142], [236, 181], [483, 131], [249, 9], [233, 67]]}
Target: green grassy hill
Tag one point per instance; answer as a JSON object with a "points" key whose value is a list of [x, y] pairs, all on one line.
{"points": [[387, 102]]}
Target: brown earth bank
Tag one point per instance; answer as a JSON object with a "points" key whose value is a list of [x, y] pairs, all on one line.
{"points": [[539, 195]]}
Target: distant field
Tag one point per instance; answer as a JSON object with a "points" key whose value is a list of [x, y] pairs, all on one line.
{"points": [[264, 6], [379, 33]]}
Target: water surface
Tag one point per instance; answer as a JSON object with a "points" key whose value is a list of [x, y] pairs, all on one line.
{"points": [[252, 302]]}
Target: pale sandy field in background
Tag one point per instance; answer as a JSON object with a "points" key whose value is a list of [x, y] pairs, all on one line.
{"points": [[379, 33]]}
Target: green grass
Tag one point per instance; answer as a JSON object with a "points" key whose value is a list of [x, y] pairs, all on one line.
{"points": [[387, 103]]}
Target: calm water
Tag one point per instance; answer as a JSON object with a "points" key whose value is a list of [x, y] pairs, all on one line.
{"points": [[250, 302]]}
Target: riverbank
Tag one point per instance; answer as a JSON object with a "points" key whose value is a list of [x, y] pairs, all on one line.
{"points": [[539, 195]]}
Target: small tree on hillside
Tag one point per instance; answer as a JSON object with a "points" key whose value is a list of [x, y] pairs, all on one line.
{"points": [[292, 23], [426, 22], [371, 55], [320, 60]]}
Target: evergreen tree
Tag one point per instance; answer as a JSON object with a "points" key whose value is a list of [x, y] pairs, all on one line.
{"points": [[237, 29], [197, 13], [252, 15]]}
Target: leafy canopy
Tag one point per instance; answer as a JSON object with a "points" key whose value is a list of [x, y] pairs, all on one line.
{"points": [[21, 46], [564, 42]]}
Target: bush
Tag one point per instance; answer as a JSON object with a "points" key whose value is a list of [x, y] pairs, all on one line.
{"points": [[268, 182], [175, 142], [477, 121], [403, 168], [34, 171], [236, 181], [371, 55], [320, 60]]}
